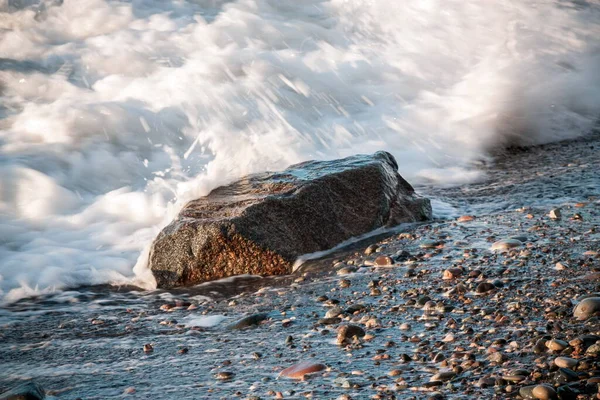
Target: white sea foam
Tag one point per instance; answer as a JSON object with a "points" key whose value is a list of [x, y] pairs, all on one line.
{"points": [[205, 321], [114, 113]]}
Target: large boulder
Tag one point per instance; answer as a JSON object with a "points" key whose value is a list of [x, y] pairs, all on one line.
{"points": [[261, 223]]}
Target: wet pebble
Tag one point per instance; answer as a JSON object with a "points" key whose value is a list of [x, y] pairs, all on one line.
{"points": [[565, 375], [497, 357], [443, 376], [384, 260], [544, 392], [485, 287], [506, 244], [298, 371], [516, 375], [555, 213], [565, 362], [429, 244], [372, 323], [566, 393], [404, 326], [250, 321], [345, 283], [526, 392], [586, 308], [347, 333], [355, 308], [224, 375], [584, 341], [421, 301], [559, 266], [452, 273], [556, 345], [329, 321], [334, 312], [371, 249], [485, 382], [593, 350], [348, 269]]}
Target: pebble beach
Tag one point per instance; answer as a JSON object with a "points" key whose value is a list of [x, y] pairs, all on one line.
{"points": [[492, 305]]}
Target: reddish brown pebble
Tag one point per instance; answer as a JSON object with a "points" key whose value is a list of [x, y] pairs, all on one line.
{"points": [[298, 371], [384, 260], [465, 218]]}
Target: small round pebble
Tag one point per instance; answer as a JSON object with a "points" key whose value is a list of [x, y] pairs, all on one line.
{"points": [[544, 392], [506, 244], [384, 260], [556, 345], [565, 362], [224, 376], [348, 269], [555, 213], [485, 287]]}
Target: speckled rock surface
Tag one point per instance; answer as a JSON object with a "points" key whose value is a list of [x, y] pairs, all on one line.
{"points": [[263, 222]]}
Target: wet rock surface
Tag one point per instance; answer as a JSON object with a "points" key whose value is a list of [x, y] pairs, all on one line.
{"points": [[262, 223], [416, 335]]}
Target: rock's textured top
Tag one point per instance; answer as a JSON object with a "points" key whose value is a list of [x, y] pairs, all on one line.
{"points": [[261, 223]]}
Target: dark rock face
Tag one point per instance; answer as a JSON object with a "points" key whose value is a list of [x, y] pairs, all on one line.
{"points": [[26, 391], [263, 222]]}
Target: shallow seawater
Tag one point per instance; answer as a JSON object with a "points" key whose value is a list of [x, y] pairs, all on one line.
{"points": [[113, 114]]}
